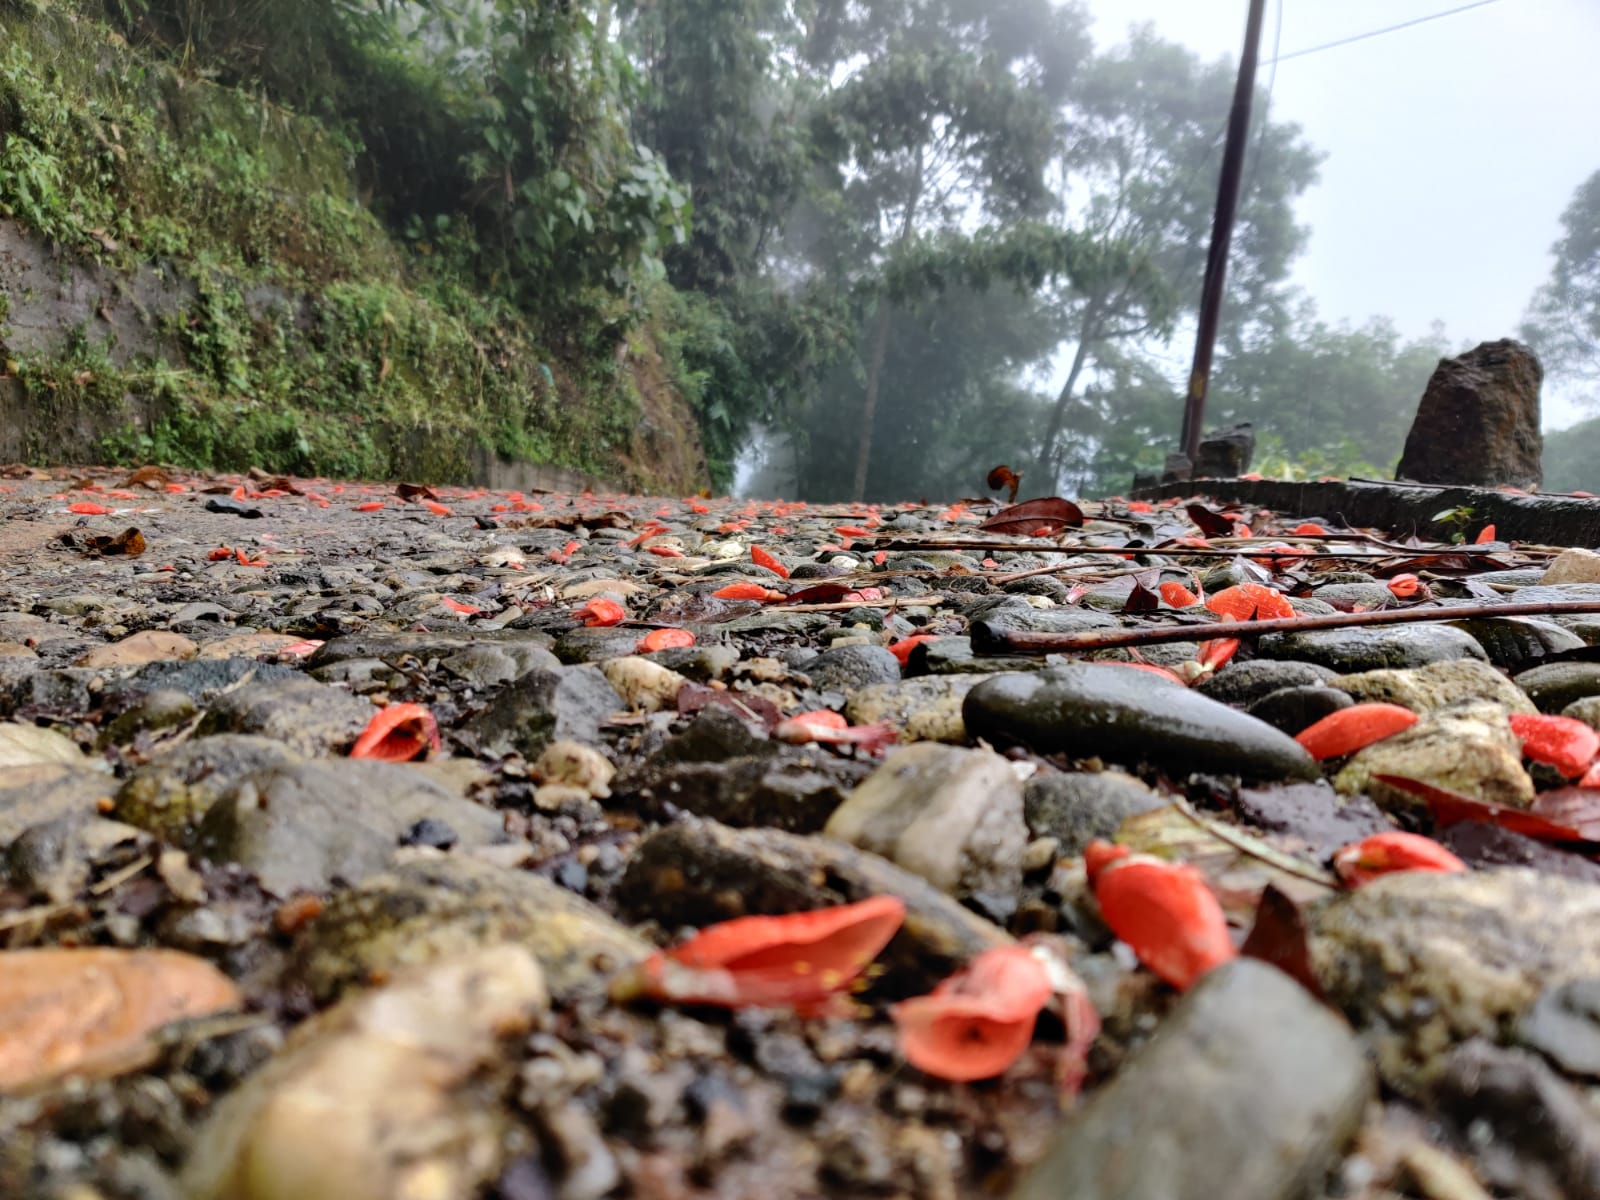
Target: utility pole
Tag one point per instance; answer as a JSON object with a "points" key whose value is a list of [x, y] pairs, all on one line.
{"points": [[1194, 405]]}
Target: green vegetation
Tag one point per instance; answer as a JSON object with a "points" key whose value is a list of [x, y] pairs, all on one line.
{"points": [[910, 238]]}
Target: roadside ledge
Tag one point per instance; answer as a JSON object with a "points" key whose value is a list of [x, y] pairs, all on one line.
{"points": [[1404, 509]]}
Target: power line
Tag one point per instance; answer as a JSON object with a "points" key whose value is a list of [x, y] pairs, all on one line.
{"points": [[1361, 37]]}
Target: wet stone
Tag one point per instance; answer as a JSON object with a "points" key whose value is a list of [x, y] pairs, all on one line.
{"points": [[169, 795], [797, 793], [525, 648], [596, 645], [1243, 683], [1479, 844], [307, 826], [700, 663], [398, 1066], [1519, 643], [699, 872], [1293, 709], [1077, 807], [850, 668], [160, 709], [714, 734], [1468, 749], [1423, 961], [46, 792], [541, 707], [1554, 686], [1347, 596], [490, 665], [1130, 717], [1437, 685], [201, 678], [308, 717], [1564, 1026], [1249, 1090], [924, 709], [436, 908], [1311, 814], [951, 815], [1351, 650]]}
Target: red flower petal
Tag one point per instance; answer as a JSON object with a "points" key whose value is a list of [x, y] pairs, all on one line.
{"points": [[1404, 586], [748, 591], [903, 648], [601, 611], [1485, 535], [1163, 911], [763, 559], [978, 1022], [1566, 744], [1175, 594], [1385, 853], [797, 960], [398, 733], [664, 639], [1351, 729]]}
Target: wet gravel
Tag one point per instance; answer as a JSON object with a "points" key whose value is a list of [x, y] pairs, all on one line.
{"points": [[426, 950]]}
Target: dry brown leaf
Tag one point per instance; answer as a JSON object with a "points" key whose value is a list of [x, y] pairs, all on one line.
{"points": [[92, 1011]]}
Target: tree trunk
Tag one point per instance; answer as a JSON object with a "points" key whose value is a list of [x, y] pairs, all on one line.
{"points": [[880, 345], [1048, 461]]}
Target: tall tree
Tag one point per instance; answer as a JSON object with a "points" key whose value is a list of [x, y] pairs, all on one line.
{"points": [[938, 119], [1137, 170], [1563, 322]]}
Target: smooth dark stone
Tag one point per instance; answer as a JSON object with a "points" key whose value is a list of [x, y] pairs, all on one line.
{"points": [[1249, 1090], [1130, 717]]}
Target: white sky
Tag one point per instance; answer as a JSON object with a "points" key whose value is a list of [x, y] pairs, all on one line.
{"points": [[1451, 147]]}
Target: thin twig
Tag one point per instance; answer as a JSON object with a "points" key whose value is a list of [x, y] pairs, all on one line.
{"points": [[1046, 643]]}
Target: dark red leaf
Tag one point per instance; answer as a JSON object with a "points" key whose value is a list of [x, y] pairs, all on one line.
{"points": [[1279, 937], [1209, 523], [819, 593], [1141, 599], [1035, 518], [1449, 808]]}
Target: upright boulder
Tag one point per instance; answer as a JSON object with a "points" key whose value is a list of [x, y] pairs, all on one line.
{"points": [[1478, 422]]}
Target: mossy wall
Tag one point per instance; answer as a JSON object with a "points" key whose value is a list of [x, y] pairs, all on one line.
{"points": [[188, 275]]}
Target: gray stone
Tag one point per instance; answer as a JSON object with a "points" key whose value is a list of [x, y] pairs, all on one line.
{"points": [[44, 792], [924, 709], [1478, 421], [308, 717], [170, 794], [1423, 960], [1517, 643], [1437, 685], [570, 703], [307, 826], [1225, 453], [1546, 1134], [1243, 683], [1077, 807], [1564, 1025], [596, 645], [440, 907], [1293, 709], [1350, 650], [1129, 717], [795, 792], [1468, 749], [1346, 596], [1249, 1090], [202, 678], [849, 668], [1554, 686], [953, 816]]}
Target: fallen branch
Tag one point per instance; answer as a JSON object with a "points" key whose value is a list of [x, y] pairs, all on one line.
{"points": [[1263, 551], [995, 637]]}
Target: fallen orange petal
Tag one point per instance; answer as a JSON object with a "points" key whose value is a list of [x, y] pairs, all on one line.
{"points": [[601, 612], [1385, 853], [796, 960], [1486, 534], [398, 733], [748, 591], [1564, 743], [1178, 596], [92, 1010], [437, 509], [1351, 729], [1405, 586], [903, 648], [665, 639], [764, 559], [1163, 911], [978, 1022], [84, 508]]}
